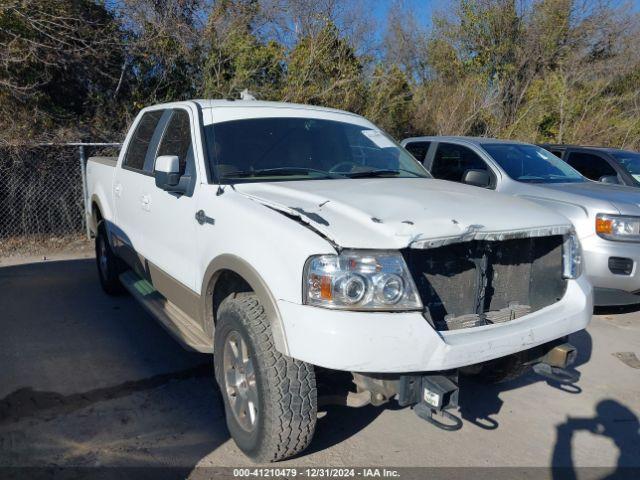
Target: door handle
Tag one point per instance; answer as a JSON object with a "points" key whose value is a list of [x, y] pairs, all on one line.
{"points": [[117, 189], [145, 201], [202, 218]]}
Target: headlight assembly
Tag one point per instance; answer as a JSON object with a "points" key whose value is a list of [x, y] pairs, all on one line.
{"points": [[618, 227], [360, 280]]}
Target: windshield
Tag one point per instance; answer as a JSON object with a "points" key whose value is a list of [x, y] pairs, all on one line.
{"points": [[531, 164], [630, 161], [278, 149]]}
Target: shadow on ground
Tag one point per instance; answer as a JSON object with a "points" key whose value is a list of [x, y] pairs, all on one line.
{"points": [[481, 403], [616, 309], [613, 420], [91, 380]]}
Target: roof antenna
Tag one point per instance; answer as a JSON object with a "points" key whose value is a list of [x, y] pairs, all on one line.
{"points": [[247, 95]]}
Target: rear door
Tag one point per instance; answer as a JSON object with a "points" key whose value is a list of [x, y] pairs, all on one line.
{"points": [[133, 178]]}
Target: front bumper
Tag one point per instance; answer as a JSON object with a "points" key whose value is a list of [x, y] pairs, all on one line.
{"points": [[611, 288], [404, 342]]}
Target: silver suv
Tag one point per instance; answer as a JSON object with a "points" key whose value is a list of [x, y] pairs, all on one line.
{"points": [[606, 217]]}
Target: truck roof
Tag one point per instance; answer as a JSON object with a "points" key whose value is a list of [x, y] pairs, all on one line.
{"points": [[224, 103]]}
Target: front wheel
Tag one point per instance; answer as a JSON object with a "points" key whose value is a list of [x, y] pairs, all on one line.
{"points": [[270, 399]]}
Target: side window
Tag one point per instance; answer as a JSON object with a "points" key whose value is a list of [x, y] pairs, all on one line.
{"points": [[418, 149], [177, 141], [141, 140], [557, 153], [591, 166], [452, 161]]}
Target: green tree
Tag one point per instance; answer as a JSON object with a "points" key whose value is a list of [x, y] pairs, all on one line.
{"points": [[389, 100], [324, 70], [58, 65], [236, 58]]}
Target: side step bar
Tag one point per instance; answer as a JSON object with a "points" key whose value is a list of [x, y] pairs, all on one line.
{"points": [[174, 320]]}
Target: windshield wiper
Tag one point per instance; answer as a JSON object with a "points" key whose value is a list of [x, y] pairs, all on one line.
{"points": [[265, 172], [381, 172]]}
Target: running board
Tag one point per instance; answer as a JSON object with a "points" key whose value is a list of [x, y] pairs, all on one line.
{"points": [[174, 320]]}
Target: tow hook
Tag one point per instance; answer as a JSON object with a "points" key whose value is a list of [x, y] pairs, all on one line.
{"points": [[431, 396], [553, 364]]}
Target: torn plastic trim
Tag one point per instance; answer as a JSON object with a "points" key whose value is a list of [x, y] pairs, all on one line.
{"points": [[474, 232]]}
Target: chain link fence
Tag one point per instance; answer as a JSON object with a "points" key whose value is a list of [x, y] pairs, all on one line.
{"points": [[42, 197]]}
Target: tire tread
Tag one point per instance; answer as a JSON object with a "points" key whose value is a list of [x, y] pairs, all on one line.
{"points": [[290, 386]]}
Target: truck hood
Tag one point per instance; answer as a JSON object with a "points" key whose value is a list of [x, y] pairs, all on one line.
{"points": [[396, 213], [626, 200]]}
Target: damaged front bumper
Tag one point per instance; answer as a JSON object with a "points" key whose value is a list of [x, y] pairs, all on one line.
{"points": [[405, 342]]}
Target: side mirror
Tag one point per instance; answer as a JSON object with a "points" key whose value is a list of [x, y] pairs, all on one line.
{"points": [[167, 172], [477, 178], [610, 179]]}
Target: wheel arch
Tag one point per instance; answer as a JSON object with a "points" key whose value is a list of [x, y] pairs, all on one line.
{"points": [[97, 213], [226, 267]]}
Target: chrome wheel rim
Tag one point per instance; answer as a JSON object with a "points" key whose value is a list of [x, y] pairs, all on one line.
{"points": [[240, 382], [103, 261]]}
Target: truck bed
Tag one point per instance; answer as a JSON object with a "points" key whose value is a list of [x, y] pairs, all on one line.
{"points": [[109, 161], [100, 174]]}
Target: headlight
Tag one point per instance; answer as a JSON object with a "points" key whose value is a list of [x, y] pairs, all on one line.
{"points": [[618, 227], [360, 280], [571, 256]]}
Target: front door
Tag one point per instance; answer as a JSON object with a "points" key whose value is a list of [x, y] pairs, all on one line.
{"points": [[170, 224]]}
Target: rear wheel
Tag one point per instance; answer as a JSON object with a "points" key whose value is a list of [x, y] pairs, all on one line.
{"points": [[270, 399], [109, 266]]}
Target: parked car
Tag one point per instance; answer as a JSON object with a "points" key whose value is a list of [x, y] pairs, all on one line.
{"points": [[607, 165], [606, 217], [295, 242]]}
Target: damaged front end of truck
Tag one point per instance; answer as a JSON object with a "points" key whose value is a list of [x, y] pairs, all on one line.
{"points": [[460, 276]]}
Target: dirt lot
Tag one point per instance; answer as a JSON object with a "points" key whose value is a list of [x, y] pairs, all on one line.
{"points": [[89, 380]]}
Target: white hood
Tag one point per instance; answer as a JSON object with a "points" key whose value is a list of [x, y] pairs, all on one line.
{"points": [[395, 213]]}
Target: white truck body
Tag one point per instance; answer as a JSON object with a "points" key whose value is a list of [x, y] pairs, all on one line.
{"points": [[249, 234]]}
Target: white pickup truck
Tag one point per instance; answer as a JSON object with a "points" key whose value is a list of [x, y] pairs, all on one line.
{"points": [[299, 243]]}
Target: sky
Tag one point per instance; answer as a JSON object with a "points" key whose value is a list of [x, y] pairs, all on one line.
{"points": [[425, 8]]}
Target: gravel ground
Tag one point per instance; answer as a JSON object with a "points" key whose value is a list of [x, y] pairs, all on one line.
{"points": [[88, 380]]}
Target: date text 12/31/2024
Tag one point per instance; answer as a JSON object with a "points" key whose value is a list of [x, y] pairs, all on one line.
{"points": [[316, 472]]}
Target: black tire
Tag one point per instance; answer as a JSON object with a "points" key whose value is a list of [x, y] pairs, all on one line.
{"points": [[109, 266], [286, 388], [505, 369]]}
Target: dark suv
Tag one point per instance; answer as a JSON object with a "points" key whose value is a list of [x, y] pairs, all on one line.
{"points": [[608, 165]]}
